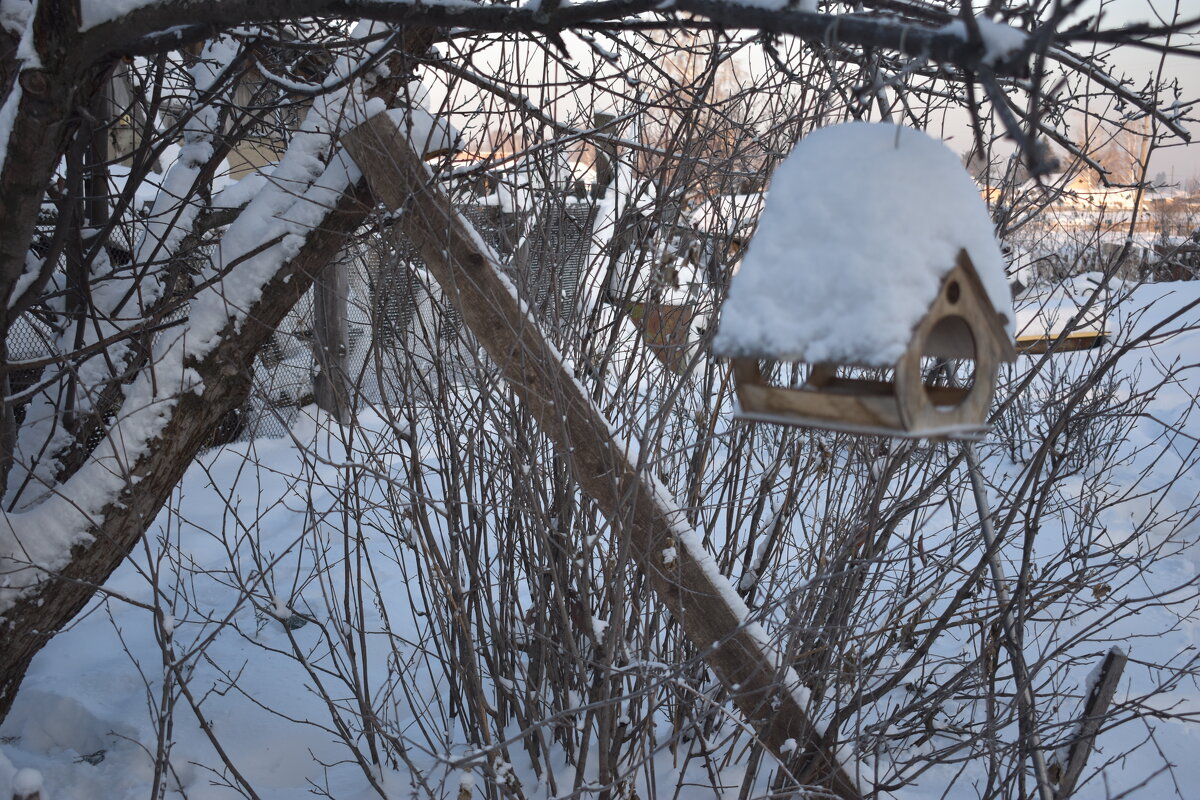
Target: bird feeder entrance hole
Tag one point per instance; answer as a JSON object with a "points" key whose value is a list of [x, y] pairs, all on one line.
{"points": [[948, 363], [941, 388]]}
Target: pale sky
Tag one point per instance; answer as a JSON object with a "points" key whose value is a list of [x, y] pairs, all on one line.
{"points": [[1178, 162], [1183, 162]]}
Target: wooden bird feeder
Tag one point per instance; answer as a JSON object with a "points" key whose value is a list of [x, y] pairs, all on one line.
{"points": [[876, 274], [961, 324]]}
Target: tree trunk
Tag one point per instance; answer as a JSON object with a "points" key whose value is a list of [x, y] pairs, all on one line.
{"points": [[30, 623]]}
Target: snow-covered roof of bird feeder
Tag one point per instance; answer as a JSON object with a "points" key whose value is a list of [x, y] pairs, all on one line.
{"points": [[862, 222], [875, 250]]}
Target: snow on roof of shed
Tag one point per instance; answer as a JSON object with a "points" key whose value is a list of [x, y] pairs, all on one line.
{"points": [[862, 222]]}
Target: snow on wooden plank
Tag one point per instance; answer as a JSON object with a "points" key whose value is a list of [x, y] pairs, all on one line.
{"points": [[683, 575], [1102, 686]]}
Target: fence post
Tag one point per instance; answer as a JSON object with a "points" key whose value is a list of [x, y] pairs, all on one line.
{"points": [[331, 388]]}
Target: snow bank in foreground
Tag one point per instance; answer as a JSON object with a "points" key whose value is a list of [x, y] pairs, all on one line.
{"points": [[862, 222]]}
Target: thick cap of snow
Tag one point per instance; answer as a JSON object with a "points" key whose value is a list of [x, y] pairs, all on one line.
{"points": [[727, 214], [862, 222], [429, 135]]}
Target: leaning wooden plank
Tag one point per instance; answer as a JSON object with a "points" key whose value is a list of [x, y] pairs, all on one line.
{"points": [[684, 577], [1094, 711]]}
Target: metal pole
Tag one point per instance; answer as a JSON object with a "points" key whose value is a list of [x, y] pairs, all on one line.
{"points": [[1025, 705]]}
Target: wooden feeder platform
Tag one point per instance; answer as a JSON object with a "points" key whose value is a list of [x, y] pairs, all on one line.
{"points": [[961, 324], [850, 405]]}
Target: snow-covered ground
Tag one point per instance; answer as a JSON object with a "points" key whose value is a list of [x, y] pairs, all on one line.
{"points": [[242, 583]]}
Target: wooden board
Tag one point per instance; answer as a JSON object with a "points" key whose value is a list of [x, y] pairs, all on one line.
{"points": [[965, 434], [768, 694], [1095, 712], [1074, 341], [871, 410], [852, 405]]}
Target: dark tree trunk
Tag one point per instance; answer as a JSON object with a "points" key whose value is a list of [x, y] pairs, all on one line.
{"points": [[28, 625]]}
